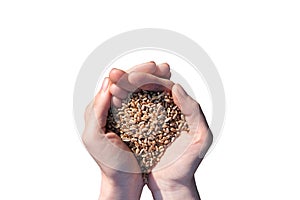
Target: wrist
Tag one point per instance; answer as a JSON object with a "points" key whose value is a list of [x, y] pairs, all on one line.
{"points": [[129, 189], [175, 190]]}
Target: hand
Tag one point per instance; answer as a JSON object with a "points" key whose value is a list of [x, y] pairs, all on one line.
{"points": [[105, 149], [121, 178], [176, 181]]}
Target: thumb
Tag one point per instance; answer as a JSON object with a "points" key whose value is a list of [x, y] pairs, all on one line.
{"points": [[102, 103], [189, 107]]}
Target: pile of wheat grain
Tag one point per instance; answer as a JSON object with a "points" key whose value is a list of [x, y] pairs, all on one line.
{"points": [[148, 122]]}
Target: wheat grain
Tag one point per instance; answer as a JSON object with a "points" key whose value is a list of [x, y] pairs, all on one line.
{"points": [[148, 122]]}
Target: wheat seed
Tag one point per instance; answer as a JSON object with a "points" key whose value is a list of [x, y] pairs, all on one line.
{"points": [[148, 122]]}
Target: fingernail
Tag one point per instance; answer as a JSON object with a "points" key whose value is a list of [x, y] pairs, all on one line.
{"points": [[105, 85]]}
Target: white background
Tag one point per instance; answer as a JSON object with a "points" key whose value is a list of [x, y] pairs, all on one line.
{"points": [[254, 44]]}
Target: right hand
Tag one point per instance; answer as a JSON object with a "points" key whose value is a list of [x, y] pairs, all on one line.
{"points": [[176, 181]]}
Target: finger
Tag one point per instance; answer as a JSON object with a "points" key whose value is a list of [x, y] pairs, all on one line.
{"points": [[186, 104], [115, 101], [149, 82], [120, 78], [189, 107], [117, 141], [163, 71], [118, 91], [149, 67], [102, 103], [116, 74]]}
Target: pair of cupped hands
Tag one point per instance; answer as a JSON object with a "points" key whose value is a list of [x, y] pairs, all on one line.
{"points": [[121, 176]]}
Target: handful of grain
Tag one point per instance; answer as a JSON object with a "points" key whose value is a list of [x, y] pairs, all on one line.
{"points": [[148, 122]]}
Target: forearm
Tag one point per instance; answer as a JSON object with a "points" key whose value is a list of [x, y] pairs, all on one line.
{"points": [[178, 191], [110, 190]]}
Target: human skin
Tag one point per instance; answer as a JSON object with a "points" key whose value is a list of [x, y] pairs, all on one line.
{"points": [[177, 181], [115, 184], [173, 182]]}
